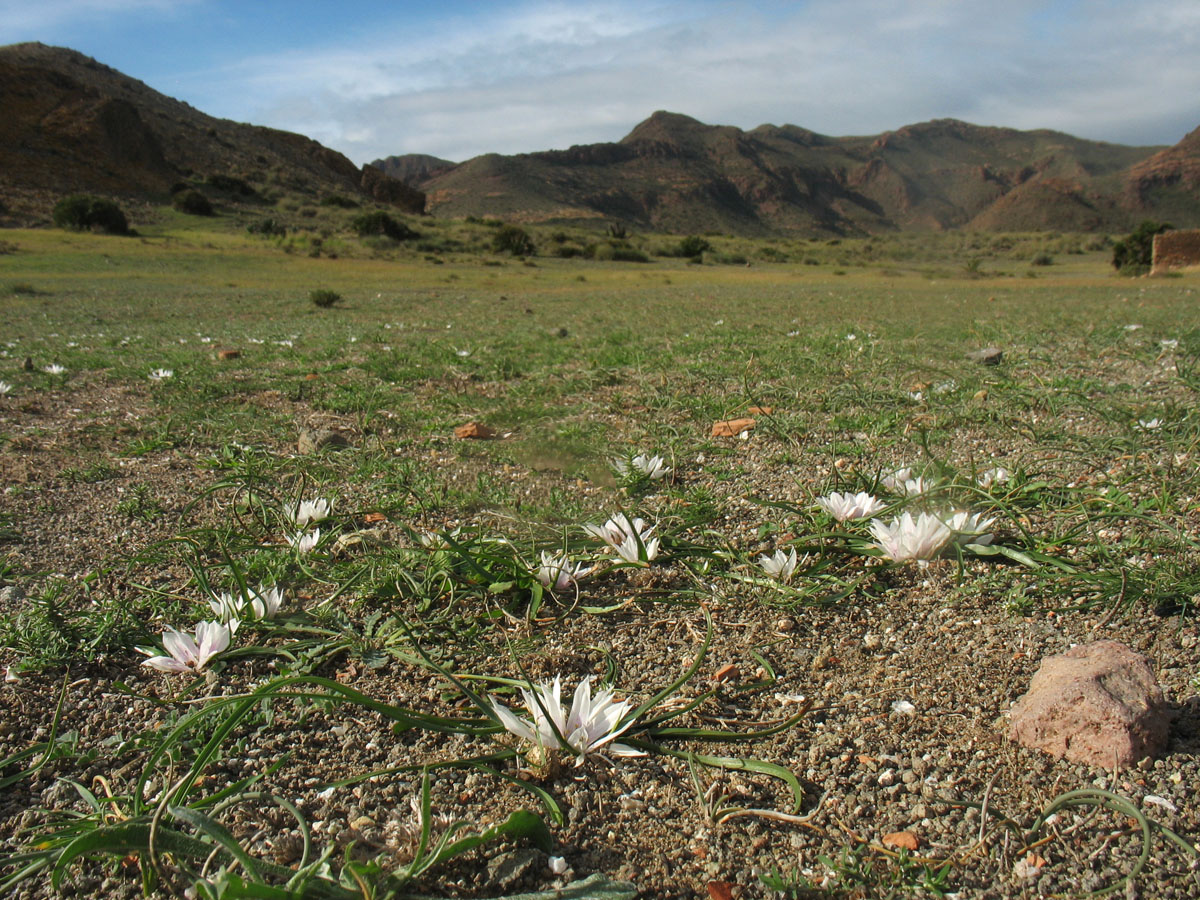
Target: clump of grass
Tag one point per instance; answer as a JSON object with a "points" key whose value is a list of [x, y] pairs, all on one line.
{"points": [[324, 298]]}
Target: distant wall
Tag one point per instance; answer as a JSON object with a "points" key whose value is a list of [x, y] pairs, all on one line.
{"points": [[1175, 250]]}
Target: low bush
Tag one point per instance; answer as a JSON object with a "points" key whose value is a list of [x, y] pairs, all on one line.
{"points": [[513, 239], [692, 246], [82, 212], [267, 228], [379, 223], [339, 201], [231, 185], [193, 203], [1135, 253]]}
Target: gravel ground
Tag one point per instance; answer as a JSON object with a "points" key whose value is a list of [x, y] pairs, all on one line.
{"points": [[869, 770]]}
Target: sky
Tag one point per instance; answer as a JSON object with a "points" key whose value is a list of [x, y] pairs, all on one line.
{"points": [[456, 78]]}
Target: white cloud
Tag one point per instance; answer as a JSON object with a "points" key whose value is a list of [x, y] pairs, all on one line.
{"points": [[547, 74]]}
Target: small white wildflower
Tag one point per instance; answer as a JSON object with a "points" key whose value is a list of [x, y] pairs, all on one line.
{"points": [[5, 388], [630, 539], [904, 483], [1149, 424], [781, 565], [591, 724], [558, 573], [305, 541], [906, 538], [652, 467], [846, 506], [1169, 343], [970, 528], [307, 511], [54, 369], [161, 374], [188, 655], [1133, 326], [994, 475]]}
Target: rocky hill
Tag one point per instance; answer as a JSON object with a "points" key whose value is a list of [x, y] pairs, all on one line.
{"points": [[677, 174], [71, 124]]}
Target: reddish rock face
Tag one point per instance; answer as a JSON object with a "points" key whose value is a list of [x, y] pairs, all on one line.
{"points": [[1097, 704]]}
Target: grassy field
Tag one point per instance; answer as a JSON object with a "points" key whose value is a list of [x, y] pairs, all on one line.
{"points": [[131, 502]]}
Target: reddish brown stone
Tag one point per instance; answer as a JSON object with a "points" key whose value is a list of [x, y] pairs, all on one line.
{"points": [[902, 840], [474, 431], [732, 427], [1097, 704]]}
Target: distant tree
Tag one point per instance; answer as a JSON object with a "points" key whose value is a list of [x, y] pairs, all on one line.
{"points": [[1135, 253], [82, 212], [514, 240]]}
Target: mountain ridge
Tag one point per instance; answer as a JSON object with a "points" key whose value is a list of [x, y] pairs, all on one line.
{"points": [[672, 172]]}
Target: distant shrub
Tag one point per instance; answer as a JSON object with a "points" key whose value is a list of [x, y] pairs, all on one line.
{"points": [[728, 259], [513, 239], [380, 223], [192, 202], [1042, 259], [339, 201], [693, 246], [772, 254], [1134, 255], [23, 287], [84, 212], [324, 298], [267, 228]]}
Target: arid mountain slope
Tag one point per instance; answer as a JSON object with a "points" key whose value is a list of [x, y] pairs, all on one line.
{"points": [[69, 123]]}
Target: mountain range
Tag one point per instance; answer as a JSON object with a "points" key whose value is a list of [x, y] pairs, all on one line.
{"points": [[71, 124], [673, 173]]}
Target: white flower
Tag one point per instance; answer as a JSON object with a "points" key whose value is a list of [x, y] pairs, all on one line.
{"points": [[970, 528], [906, 538], [54, 369], [904, 483], [630, 539], [5, 388], [1149, 424], [652, 467], [844, 507], [187, 655], [307, 511], [590, 725], [1169, 343], [161, 374], [994, 475], [305, 541], [557, 572], [780, 565], [255, 605], [1132, 326]]}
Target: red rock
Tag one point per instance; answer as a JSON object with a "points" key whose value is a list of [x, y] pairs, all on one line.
{"points": [[474, 430], [720, 890], [727, 672], [761, 410], [732, 427], [1097, 704], [902, 840]]}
